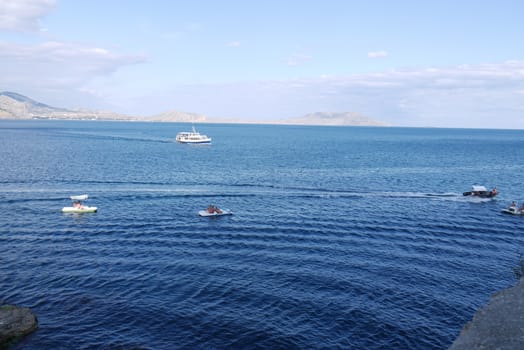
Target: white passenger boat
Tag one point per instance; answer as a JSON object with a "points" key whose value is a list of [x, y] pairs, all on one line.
{"points": [[192, 137], [78, 205]]}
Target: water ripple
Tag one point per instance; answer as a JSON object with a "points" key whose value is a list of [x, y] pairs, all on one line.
{"points": [[332, 252]]}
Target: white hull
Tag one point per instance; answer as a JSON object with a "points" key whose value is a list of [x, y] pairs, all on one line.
{"points": [[199, 141], [513, 211], [206, 213], [79, 210]]}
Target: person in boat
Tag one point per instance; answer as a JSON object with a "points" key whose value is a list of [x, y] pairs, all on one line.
{"points": [[494, 191], [78, 205], [213, 209], [513, 205], [521, 208]]}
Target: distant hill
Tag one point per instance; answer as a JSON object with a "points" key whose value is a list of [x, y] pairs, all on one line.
{"points": [[24, 99], [335, 118], [176, 116], [13, 105], [17, 106]]}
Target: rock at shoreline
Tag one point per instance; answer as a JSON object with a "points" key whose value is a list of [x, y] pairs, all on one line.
{"points": [[498, 325], [15, 322]]}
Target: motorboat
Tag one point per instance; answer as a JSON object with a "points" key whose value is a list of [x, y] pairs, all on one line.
{"points": [[192, 137], [78, 205], [214, 211], [513, 210], [481, 191]]}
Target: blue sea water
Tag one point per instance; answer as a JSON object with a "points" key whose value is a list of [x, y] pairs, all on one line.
{"points": [[341, 238]]}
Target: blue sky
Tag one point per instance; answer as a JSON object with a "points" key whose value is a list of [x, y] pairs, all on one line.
{"points": [[408, 63]]}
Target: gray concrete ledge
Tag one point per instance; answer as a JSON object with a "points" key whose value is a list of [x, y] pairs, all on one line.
{"points": [[499, 325]]}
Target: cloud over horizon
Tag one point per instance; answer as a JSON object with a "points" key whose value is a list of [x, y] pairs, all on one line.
{"points": [[59, 72], [23, 15], [377, 54], [58, 64], [192, 67], [234, 44], [46, 68], [409, 97]]}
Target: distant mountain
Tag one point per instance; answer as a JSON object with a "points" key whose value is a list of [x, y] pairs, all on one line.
{"points": [[335, 118], [24, 99], [175, 116], [17, 106], [13, 105]]}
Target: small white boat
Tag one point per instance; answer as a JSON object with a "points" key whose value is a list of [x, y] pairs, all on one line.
{"points": [[206, 213], [192, 137], [513, 211], [214, 211], [78, 205]]}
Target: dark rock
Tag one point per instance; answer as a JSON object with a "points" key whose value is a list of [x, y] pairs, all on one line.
{"points": [[15, 322], [498, 325]]}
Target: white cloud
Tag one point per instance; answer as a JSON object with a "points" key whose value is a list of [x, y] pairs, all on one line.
{"points": [[377, 54], [234, 44], [485, 95], [58, 72], [23, 15], [298, 59], [59, 61]]}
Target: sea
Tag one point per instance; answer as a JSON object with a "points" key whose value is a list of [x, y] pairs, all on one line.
{"points": [[340, 238]]}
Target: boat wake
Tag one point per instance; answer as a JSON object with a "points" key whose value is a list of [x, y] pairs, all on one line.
{"points": [[151, 191], [117, 137]]}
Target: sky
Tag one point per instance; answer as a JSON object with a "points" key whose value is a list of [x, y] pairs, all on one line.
{"points": [[432, 63]]}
